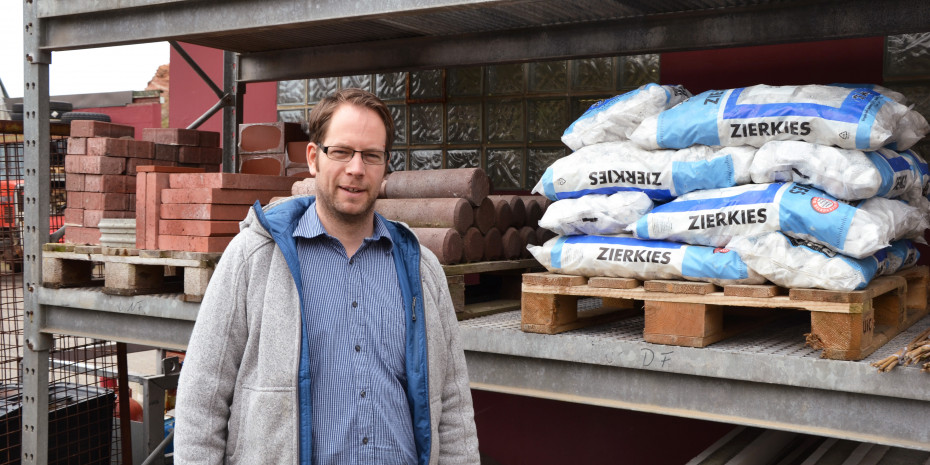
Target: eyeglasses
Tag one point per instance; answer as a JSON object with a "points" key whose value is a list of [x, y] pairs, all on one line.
{"points": [[344, 154]]}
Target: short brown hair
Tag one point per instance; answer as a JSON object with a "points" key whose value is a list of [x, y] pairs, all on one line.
{"points": [[318, 122]]}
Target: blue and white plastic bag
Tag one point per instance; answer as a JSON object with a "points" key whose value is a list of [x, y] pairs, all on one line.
{"points": [[612, 167], [595, 214], [714, 217], [859, 119], [843, 173], [795, 263], [615, 119], [626, 257]]}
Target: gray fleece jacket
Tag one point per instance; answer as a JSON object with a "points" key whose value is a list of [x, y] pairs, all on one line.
{"points": [[244, 390]]}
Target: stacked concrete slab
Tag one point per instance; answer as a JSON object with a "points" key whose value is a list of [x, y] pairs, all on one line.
{"points": [[198, 212]]}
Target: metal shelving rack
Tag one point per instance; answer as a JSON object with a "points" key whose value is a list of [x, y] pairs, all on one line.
{"points": [[285, 39]]}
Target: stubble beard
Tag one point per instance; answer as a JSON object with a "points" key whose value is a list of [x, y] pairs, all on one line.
{"points": [[341, 215]]}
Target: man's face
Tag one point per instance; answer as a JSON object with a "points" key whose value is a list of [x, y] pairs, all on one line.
{"points": [[346, 191]]}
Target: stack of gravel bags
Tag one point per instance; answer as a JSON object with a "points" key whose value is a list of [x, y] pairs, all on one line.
{"points": [[833, 204], [817, 187], [609, 183]]}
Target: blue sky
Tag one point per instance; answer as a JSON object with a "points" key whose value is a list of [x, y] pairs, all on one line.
{"points": [[81, 71]]}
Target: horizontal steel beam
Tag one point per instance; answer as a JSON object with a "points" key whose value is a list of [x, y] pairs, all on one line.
{"points": [[169, 306], [649, 34], [137, 329], [99, 23], [859, 417]]}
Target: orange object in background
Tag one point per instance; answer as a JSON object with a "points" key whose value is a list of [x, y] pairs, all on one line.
{"points": [[135, 408]]}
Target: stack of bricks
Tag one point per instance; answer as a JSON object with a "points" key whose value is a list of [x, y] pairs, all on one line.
{"points": [[101, 166], [185, 147], [278, 149], [198, 212], [100, 176]]}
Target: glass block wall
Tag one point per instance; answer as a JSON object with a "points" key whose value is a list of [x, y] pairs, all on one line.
{"points": [[507, 119], [907, 70]]}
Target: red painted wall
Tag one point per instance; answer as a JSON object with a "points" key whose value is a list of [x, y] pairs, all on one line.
{"points": [[138, 115], [190, 97], [825, 62]]}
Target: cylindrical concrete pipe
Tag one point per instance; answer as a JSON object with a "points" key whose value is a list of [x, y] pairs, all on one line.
{"points": [[473, 244], [304, 187], [517, 208], [533, 208], [511, 243], [503, 217], [528, 235], [471, 184], [485, 216], [493, 245], [428, 213], [446, 243]]}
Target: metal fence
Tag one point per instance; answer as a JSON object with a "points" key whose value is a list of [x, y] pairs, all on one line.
{"points": [[81, 427]]}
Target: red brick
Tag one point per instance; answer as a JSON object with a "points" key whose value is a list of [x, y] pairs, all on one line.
{"points": [[87, 128], [166, 152], [77, 146], [154, 184], [92, 217], [167, 169], [94, 165], [209, 139], [261, 165], [107, 146], [219, 196], [177, 211], [298, 171], [194, 244], [106, 201], [172, 136], [197, 228], [232, 181], [268, 137], [76, 235], [204, 167], [141, 226], [121, 214], [200, 155], [74, 182], [297, 151], [132, 164], [74, 216], [122, 183], [75, 199]]}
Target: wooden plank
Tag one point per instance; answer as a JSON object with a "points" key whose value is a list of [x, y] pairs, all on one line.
{"points": [[683, 324], [488, 308], [878, 286], [552, 279], [761, 291], [614, 283], [482, 267], [680, 287]]}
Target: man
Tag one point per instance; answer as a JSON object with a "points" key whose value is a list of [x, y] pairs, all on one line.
{"points": [[327, 334]]}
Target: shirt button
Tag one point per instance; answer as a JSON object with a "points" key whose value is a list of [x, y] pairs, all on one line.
{"points": [[363, 393], [364, 440], [358, 348], [354, 304]]}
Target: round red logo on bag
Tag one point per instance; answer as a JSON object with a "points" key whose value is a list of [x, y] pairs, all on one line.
{"points": [[721, 250], [823, 205]]}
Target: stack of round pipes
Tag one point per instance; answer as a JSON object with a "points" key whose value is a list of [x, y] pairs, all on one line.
{"points": [[452, 214]]}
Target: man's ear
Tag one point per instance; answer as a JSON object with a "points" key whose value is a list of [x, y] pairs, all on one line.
{"points": [[312, 152]]}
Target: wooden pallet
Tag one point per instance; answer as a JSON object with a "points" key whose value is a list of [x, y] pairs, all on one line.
{"points": [[486, 288], [128, 271], [846, 325]]}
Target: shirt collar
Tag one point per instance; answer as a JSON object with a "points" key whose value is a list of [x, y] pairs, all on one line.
{"points": [[310, 227]]}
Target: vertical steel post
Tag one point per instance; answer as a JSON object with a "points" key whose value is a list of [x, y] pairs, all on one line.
{"points": [[36, 178], [232, 112]]}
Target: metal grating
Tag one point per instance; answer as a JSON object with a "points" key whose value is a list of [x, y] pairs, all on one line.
{"points": [[81, 408]]}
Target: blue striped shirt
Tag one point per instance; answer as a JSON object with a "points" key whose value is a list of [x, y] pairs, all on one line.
{"points": [[353, 315]]}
